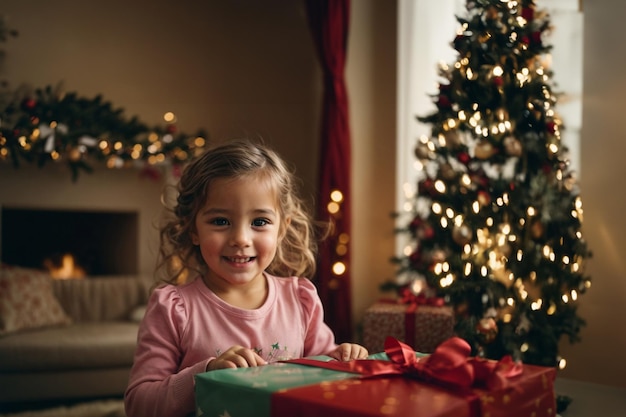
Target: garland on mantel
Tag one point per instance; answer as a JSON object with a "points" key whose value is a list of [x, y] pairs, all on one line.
{"points": [[49, 125]]}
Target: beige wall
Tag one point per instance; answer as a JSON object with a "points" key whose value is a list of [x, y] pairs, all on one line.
{"points": [[603, 146], [235, 67], [371, 74], [248, 67]]}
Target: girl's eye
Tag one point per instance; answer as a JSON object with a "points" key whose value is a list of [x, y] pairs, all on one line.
{"points": [[219, 221], [259, 222]]}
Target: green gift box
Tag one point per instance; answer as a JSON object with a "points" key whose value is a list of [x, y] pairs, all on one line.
{"points": [[247, 391]]}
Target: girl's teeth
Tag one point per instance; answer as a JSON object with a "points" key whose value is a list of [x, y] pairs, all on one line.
{"points": [[239, 260]]}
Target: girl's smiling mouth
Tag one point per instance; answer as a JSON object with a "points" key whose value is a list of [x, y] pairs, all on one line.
{"points": [[239, 259]]}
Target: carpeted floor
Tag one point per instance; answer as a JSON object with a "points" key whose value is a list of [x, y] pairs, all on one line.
{"points": [[101, 408]]}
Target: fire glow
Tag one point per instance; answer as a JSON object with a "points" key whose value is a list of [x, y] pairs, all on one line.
{"points": [[65, 268]]}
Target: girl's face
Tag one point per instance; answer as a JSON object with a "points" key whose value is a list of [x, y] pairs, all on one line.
{"points": [[237, 231]]}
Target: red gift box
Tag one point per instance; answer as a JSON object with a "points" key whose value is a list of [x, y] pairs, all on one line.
{"points": [[423, 327], [446, 383], [372, 397]]}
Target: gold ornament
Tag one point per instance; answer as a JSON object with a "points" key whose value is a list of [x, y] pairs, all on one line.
{"points": [[512, 146], [74, 155], [487, 328], [484, 150], [447, 172], [491, 13], [462, 234], [453, 139], [422, 151], [437, 256]]}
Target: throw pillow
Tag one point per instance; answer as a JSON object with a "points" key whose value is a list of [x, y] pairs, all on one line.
{"points": [[27, 300]]}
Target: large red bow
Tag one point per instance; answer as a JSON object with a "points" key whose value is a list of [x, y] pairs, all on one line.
{"points": [[449, 365]]}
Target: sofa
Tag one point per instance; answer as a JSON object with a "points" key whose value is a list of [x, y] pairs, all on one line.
{"points": [[67, 339]]}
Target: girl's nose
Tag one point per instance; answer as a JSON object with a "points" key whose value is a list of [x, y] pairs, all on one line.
{"points": [[240, 236]]}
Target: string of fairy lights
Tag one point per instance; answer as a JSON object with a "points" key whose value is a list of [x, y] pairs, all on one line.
{"points": [[51, 126], [341, 240]]}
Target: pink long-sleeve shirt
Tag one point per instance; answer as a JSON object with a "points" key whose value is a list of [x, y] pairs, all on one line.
{"points": [[187, 326]]}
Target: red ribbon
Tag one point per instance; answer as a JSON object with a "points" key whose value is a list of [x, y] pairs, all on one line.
{"points": [[450, 365], [408, 297], [412, 301]]}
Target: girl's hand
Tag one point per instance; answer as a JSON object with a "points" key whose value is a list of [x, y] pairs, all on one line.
{"points": [[236, 357], [349, 351]]}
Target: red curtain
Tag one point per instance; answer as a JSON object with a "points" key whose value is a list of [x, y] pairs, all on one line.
{"points": [[329, 21]]}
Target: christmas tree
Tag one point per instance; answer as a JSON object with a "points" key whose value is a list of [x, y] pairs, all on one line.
{"points": [[495, 227]]}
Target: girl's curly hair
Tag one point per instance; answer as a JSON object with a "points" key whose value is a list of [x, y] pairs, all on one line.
{"points": [[295, 255]]}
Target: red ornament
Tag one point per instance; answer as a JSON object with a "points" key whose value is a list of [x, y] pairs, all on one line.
{"points": [[443, 102], [551, 126], [464, 158], [536, 38], [528, 13], [483, 198], [416, 223], [479, 178], [416, 259], [497, 81], [170, 129], [426, 232], [426, 186], [28, 104]]}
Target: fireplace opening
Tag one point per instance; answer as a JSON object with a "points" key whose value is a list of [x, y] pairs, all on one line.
{"points": [[98, 242]]}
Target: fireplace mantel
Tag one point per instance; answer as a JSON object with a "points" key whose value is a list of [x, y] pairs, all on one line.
{"points": [[106, 189]]}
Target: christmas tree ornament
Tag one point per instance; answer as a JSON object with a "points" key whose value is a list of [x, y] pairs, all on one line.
{"points": [[483, 198], [74, 154], [425, 232], [462, 234], [28, 104], [447, 172], [437, 256], [464, 157], [452, 139], [484, 150], [512, 146], [487, 329], [537, 229], [422, 151]]}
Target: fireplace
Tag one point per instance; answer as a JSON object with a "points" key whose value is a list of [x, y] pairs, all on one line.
{"points": [[99, 242], [123, 207]]}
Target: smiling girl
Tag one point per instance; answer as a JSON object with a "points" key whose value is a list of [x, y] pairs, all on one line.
{"points": [[242, 235]]}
